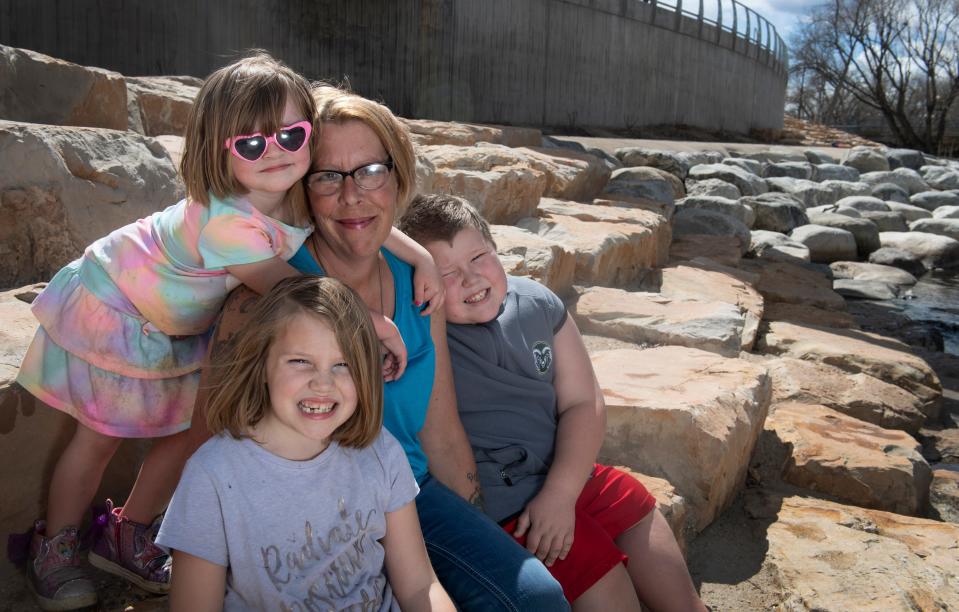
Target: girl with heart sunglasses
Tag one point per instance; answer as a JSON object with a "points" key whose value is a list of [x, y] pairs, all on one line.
{"points": [[124, 328]]}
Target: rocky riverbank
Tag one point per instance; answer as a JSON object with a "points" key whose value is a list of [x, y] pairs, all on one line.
{"points": [[806, 461]]}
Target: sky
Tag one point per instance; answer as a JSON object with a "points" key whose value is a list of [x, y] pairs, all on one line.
{"points": [[784, 14]]}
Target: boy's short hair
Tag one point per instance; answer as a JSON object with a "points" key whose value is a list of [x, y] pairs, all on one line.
{"points": [[440, 217], [239, 397]]}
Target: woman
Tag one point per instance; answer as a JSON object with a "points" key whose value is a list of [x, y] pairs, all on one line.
{"points": [[363, 168]]}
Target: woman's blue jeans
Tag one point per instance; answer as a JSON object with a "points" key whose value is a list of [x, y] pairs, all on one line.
{"points": [[480, 565]]}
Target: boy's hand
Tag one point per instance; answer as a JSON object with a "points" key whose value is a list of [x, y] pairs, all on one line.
{"points": [[428, 286], [394, 354], [550, 518]]}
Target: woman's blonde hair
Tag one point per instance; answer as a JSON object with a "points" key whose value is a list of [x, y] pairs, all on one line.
{"points": [[338, 105], [239, 398], [247, 96]]}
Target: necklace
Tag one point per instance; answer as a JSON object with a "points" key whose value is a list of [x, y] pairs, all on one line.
{"points": [[328, 271]]}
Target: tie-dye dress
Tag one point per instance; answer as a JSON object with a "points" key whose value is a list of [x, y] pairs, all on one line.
{"points": [[124, 328]]}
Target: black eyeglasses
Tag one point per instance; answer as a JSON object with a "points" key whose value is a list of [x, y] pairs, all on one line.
{"points": [[367, 177]]}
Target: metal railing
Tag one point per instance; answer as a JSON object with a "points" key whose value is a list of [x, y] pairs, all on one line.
{"points": [[749, 32]]}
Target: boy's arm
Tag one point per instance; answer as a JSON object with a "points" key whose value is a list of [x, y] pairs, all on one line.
{"points": [[443, 437], [550, 516], [411, 576], [197, 584], [427, 284]]}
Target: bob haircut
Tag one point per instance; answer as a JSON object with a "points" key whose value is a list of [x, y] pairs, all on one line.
{"points": [[239, 397], [339, 105], [247, 96], [430, 218]]}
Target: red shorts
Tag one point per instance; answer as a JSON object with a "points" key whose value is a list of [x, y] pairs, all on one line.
{"points": [[611, 502]]}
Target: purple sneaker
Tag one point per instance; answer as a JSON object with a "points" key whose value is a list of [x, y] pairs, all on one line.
{"points": [[54, 574], [126, 549]]}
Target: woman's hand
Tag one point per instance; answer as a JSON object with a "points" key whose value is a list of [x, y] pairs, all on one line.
{"points": [[394, 359], [428, 286], [549, 519]]}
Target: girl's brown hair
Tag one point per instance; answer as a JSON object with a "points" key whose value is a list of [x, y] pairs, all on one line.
{"points": [[247, 96], [338, 105], [239, 398]]}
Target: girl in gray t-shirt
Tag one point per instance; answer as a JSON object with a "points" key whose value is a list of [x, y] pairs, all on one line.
{"points": [[301, 501]]}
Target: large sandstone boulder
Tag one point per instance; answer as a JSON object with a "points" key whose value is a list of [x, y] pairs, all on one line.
{"points": [[866, 159], [773, 246], [429, 132], [609, 251], [905, 158], [940, 226], [800, 170], [863, 203], [872, 272], [856, 351], [889, 193], [160, 105], [38, 88], [749, 165], [932, 200], [776, 212], [834, 172], [910, 180], [698, 222], [570, 175], [62, 188], [795, 284], [859, 396], [803, 314], [865, 289], [933, 250], [653, 319], [864, 232], [825, 243], [725, 250], [944, 494], [907, 211], [706, 280], [712, 187], [731, 208], [939, 177], [546, 261], [838, 190], [747, 182], [904, 260], [854, 461], [886, 221], [689, 416], [642, 184], [834, 558], [501, 182], [672, 162]]}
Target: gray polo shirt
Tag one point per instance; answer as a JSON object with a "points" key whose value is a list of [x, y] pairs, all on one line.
{"points": [[503, 371]]}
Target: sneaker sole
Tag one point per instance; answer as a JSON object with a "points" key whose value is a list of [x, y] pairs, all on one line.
{"points": [[102, 563], [67, 603]]}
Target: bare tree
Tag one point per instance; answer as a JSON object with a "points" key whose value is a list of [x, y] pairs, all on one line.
{"points": [[897, 58]]}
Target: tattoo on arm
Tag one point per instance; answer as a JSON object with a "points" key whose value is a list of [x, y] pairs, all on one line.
{"points": [[476, 497]]}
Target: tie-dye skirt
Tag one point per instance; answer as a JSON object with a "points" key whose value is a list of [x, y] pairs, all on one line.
{"points": [[97, 359]]}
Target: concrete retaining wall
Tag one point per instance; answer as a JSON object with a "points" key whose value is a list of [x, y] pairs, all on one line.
{"points": [[600, 63]]}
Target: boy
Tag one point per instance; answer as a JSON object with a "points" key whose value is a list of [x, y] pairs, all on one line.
{"points": [[535, 417]]}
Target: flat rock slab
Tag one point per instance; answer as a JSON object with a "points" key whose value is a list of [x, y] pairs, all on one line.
{"points": [[610, 252], [857, 351], [835, 558], [653, 319], [705, 280], [933, 250], [793, 284], [860, 396], [543, 260], [854, 461], [803, 314], [869, 271], [689, 416], [865, 289], [726, 250], [429, 132]]}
